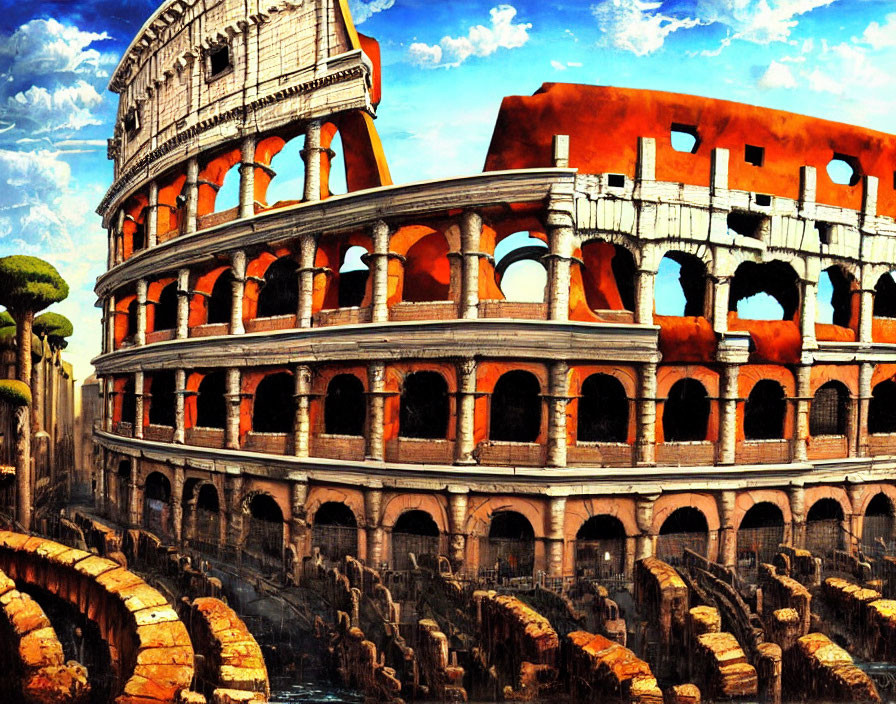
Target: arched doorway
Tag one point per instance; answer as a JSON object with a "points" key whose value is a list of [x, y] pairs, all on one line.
{"points": [[273, 409], [424, 406], [516, 408], [764, 411], [686, 412], [123, 478], [264, 532], [345, 406], [600, 548], [603, 410], [877, 526], [156, 505], [207, 518], [510, 546], [335, 531], [760, 533], [823, 528], [414, 532], [685, 528]]}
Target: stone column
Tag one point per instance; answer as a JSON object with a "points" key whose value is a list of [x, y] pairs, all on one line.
{"points": [[470, 236], [376, 385], [183, 303], [644, 297], [866, 315], [233, 491], [140, 333], [135, 502], [559, 394], [180, 383], [298, 526], [152, 216], [109, 398], [728, 430], [768, 671], [464, 444], [373, 500], [727, 534], [457, 518], [233, 398], [302, 425], [110, 240], [138, 404], [110, 323], [645, 445], [311, 154], [379, 270], [852, 523], [866, 370], [247, 177], [561, 239], [644, 518], [119, 245], [177, 504], [720, 297], [556, 521], [238, 269], [807, 314], [801, 435], [798, 515], [192, 195], [307, 252]]}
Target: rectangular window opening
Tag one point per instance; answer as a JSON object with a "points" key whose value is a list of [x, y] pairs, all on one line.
{"points": [[218, 60], [616, 180], [131, 122], [754, 155], [746, 224], [684, 138], [763, 199], [824, 231]]}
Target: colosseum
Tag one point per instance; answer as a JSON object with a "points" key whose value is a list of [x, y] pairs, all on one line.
{"points": [[314, 375]]}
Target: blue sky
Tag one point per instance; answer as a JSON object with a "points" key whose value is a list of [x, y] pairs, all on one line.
{"points": [[446, 68]]}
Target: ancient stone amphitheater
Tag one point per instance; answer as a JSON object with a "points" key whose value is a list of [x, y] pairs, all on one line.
{"points": [[320, 374]]}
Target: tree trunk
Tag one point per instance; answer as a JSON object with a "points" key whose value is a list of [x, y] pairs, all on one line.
{"points": [[24, 321], [23, 466]]}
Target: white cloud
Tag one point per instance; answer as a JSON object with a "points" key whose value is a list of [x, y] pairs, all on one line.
{"points": [[503, 33], [558, 65], [574, 64], [66, 107], [363, 11], [777, 75], [880, 36], [43, 47], [636, 26]]}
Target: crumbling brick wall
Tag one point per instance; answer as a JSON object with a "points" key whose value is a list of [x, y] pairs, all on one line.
{"points": [[816, 668], [599, 670]]}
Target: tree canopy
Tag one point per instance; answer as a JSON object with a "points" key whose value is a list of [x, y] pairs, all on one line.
{"points": [[15, 392], [29, 284], [6, 320], [52, 325]]}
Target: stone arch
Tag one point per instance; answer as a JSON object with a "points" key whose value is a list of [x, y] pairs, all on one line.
{"points": [[760, 531], [334, 530], [352, 498], [424, 408], [516, 409], [871, 490], [578, 511], [510, 545], [264, 528], [878, 518], [478, 518], [686, 412], [765, 411], [603, 410], [774, 278], [426, 271], [667, 504], [824, 526], [600, 547], [882, 408], [415, 532], [525, 251], [432, 504], [161, 398], [273, 409], [211, 402], [212, 292], [686, 527], [747, 499], [157, 504], [280, 293], [829, 409], [608, 274], [345, 405], [813, 494], [693, 277]]}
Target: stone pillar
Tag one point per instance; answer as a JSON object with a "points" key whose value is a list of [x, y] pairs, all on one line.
{"points": [[801, 435], [720, 296], [728, 429], [464, 444], [866, 315], [180, 383], [807, 314], [233, 491], [311, 154], [866, 370], [110, 323], [798, 515], [373, 500], [151, 222], [140, 333], [177, 499], [192, 195], [138, 404], [298, 526], [561, 239], [238, 269], [183, 303], [307, 252], [135, 501], [644, 297], [233, 398], [247, 177], [559, 394], [852, 523], [727, 534], [379, 270], [376, 385], [768, 672], [470, 236], [119, 245], [110, 240], [644, 518], [556, 521], [645, 444], [109, 398], [457, 518], [302, 425]]}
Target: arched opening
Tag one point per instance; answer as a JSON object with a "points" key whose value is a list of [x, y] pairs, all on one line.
{"points": [[603, 410], [161, 399], [686, 412], [353, 275], [885, 297], [844, 170], [129, 405], [680, 285], [265, 529], [685, 528], [882, 409], [166, 308], [510, 548], [415, 532], [335, 531], [877, 526], [337, 175], [211, 406], [228, 195], [123, 479], [600, 548], [345, 406], [834, 298], [760, 533], [764, 411], [288, 183], [132, 319], [764, 291], [156, 505], [427, 272], [516, 408], [206, 528], [273, 410], [424, 406], [220, 303], [829, 410], [519, 270], [608, 275], [823, 530], [280, 293]]}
